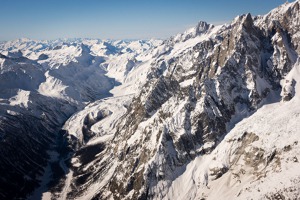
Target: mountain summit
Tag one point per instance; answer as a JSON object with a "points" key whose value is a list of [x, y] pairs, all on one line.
{"points": [[211, 112]]}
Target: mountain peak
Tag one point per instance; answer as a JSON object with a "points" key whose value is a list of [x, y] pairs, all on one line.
{"points": [[24, 39], [247, 21], [169, 121], [203, 26]]}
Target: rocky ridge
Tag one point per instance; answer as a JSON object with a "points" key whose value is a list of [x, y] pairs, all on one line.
{"points": [[190, 113], [42, 84], [199, 85]]}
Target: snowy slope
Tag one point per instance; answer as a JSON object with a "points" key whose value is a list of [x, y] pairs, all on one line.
{"points": [[42, 83], [211, 111], [98, 118], [257, 159], [75, 68], [197, 117]]}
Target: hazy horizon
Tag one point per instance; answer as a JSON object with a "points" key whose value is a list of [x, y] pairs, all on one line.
{"points": [[116, 19]]}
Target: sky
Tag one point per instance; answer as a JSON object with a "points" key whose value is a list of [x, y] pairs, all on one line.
{"points": [[117, 19]]}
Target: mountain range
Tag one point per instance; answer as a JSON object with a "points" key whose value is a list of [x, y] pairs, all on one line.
{"points": [[211, 113]]}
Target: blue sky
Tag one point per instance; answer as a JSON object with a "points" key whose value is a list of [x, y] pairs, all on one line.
{"points": [[117, 19]]}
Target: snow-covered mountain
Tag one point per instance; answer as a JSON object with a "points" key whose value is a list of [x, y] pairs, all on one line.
{"points": [[42, 83], [211, 112]]}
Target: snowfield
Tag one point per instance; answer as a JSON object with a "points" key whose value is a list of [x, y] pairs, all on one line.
{"points": [[211, 113], [254, 154]]}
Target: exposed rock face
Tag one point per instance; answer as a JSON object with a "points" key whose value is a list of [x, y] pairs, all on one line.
{"points": [[198, 85], [28, 125], [42, 83], [194, 95], [26, 139]]}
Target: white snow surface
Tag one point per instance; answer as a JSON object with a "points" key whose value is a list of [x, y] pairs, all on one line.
{"points": [[21, 99], [111, 109], [277, 127]]}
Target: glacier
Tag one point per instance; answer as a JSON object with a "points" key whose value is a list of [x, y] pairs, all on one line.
{"points": [[207, 114]]}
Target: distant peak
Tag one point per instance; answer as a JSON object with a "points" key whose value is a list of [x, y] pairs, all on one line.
{"points": [[15, 54], [247, 20], [203, 26], [24, 39], [84, 48]]}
